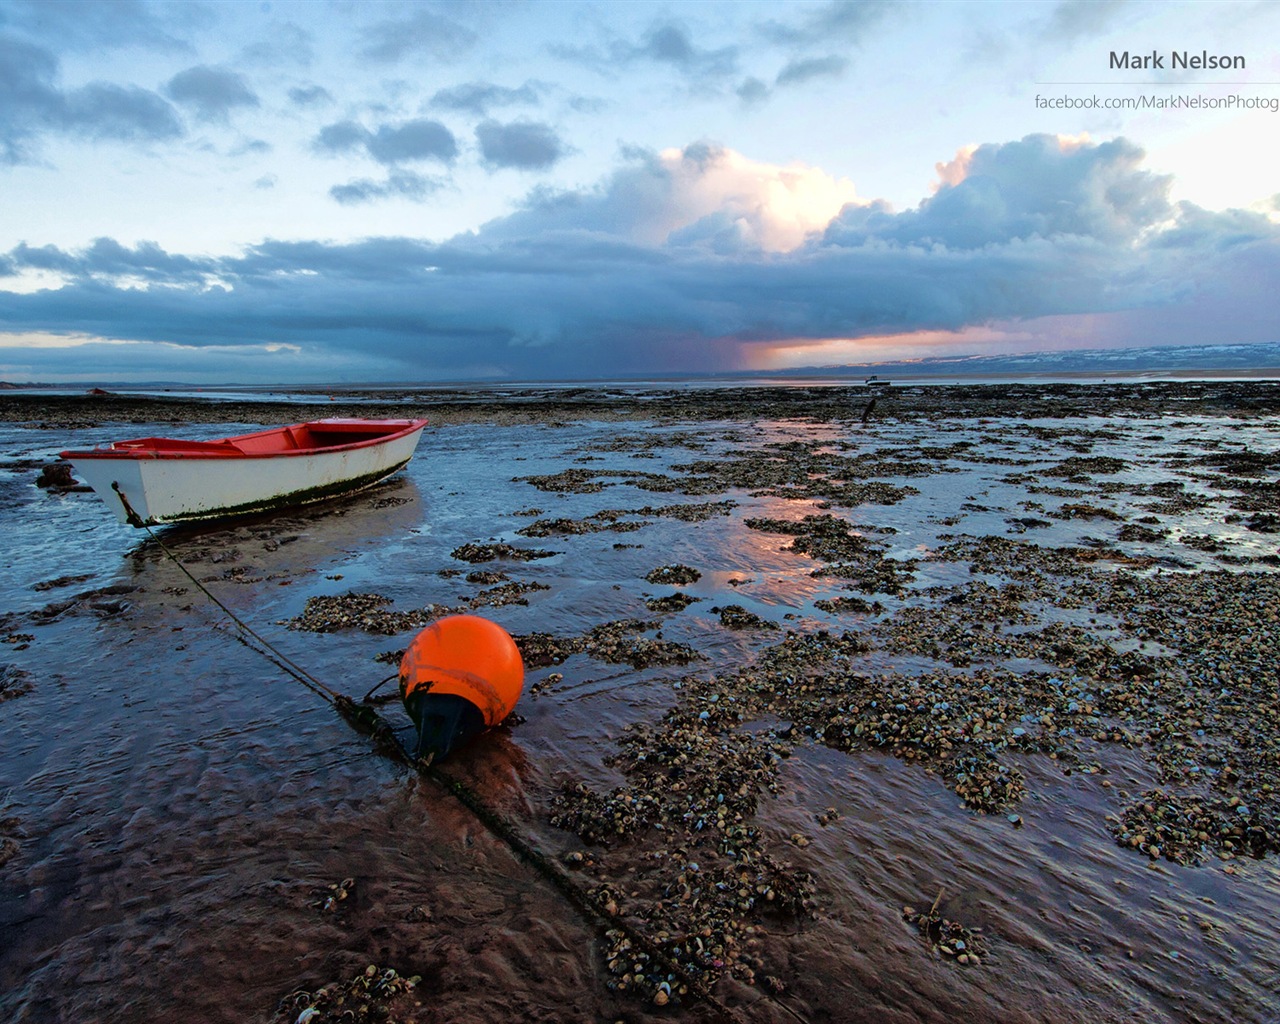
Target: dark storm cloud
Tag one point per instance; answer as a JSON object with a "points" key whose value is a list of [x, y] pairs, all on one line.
{"points": [[258, 147], [423, 33], [671, 43], [420, 139], [1081, 19], [413, 140], [75, 24], [822, 28], [667, 44], [310, 96], [212, 93], [398, 185], [102, 110], [799, 71], [1066, 24], [583, 283], [283, 42], [818, 25], [341, 137], [106, 258], [752, 91], [522, 144], [31, 105], [480, 97]]}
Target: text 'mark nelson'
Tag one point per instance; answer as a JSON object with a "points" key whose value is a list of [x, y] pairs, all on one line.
{"points": [[1178, 60]]}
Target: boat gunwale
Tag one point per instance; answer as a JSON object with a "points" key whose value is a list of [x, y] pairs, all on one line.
{"points": [[225, 449]]}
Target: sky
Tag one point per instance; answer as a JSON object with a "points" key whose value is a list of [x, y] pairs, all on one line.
{"points": [[340, 192]]}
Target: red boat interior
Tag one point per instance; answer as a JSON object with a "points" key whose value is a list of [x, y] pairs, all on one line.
{"points": [[307, 436], [301, 437]]}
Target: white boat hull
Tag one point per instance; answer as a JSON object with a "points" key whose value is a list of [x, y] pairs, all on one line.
{"points": [[173, 490]]}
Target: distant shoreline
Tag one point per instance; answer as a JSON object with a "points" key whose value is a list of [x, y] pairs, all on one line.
{"points": [[542, 405], [905, 375]]}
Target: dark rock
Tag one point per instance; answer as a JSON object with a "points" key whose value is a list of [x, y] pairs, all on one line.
{"points": [[57, 477]]}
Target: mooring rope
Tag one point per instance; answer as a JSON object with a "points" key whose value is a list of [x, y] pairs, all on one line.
{"points": [[269, 650], [365, 719]]}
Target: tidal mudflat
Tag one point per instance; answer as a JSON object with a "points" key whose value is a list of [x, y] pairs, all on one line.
{"points": [[958, 706]]}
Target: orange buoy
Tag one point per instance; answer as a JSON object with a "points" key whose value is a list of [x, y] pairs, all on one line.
{"points": [[461, 674]]}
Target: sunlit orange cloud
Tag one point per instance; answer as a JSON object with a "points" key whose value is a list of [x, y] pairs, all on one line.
{"points": [[1044, 334], [776, 207], [953, 172]]}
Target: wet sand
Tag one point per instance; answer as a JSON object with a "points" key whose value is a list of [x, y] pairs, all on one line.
{"points": [[960, 706]]}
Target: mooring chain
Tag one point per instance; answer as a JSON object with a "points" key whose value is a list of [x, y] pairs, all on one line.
{"points": [[365, 719]]}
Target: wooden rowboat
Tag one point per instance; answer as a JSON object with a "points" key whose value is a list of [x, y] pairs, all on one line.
{"points": [[154, 480]]}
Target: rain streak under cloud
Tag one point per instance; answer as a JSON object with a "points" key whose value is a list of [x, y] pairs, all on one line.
{"points": [[410, 225]]}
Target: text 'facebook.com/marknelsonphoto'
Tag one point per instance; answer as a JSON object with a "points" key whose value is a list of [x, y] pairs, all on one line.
{"points": [[1178, 101]]}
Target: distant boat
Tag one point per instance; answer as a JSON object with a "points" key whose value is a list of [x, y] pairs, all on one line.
{"points": [[876, 382], [155, 480]]}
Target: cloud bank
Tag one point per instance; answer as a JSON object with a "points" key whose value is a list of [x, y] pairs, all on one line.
{"points": [[690, 260]]}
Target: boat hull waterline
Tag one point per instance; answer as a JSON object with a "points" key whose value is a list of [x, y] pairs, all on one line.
{"points": [[167, 480]]}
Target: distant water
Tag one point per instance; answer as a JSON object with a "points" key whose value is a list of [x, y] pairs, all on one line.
{"points": [[408, 392]]}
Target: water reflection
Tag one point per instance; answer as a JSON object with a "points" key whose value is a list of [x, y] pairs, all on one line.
{"points": [[180, 808]]}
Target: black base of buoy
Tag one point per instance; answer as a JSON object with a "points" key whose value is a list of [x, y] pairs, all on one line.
{"points": [[444, 721]]}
